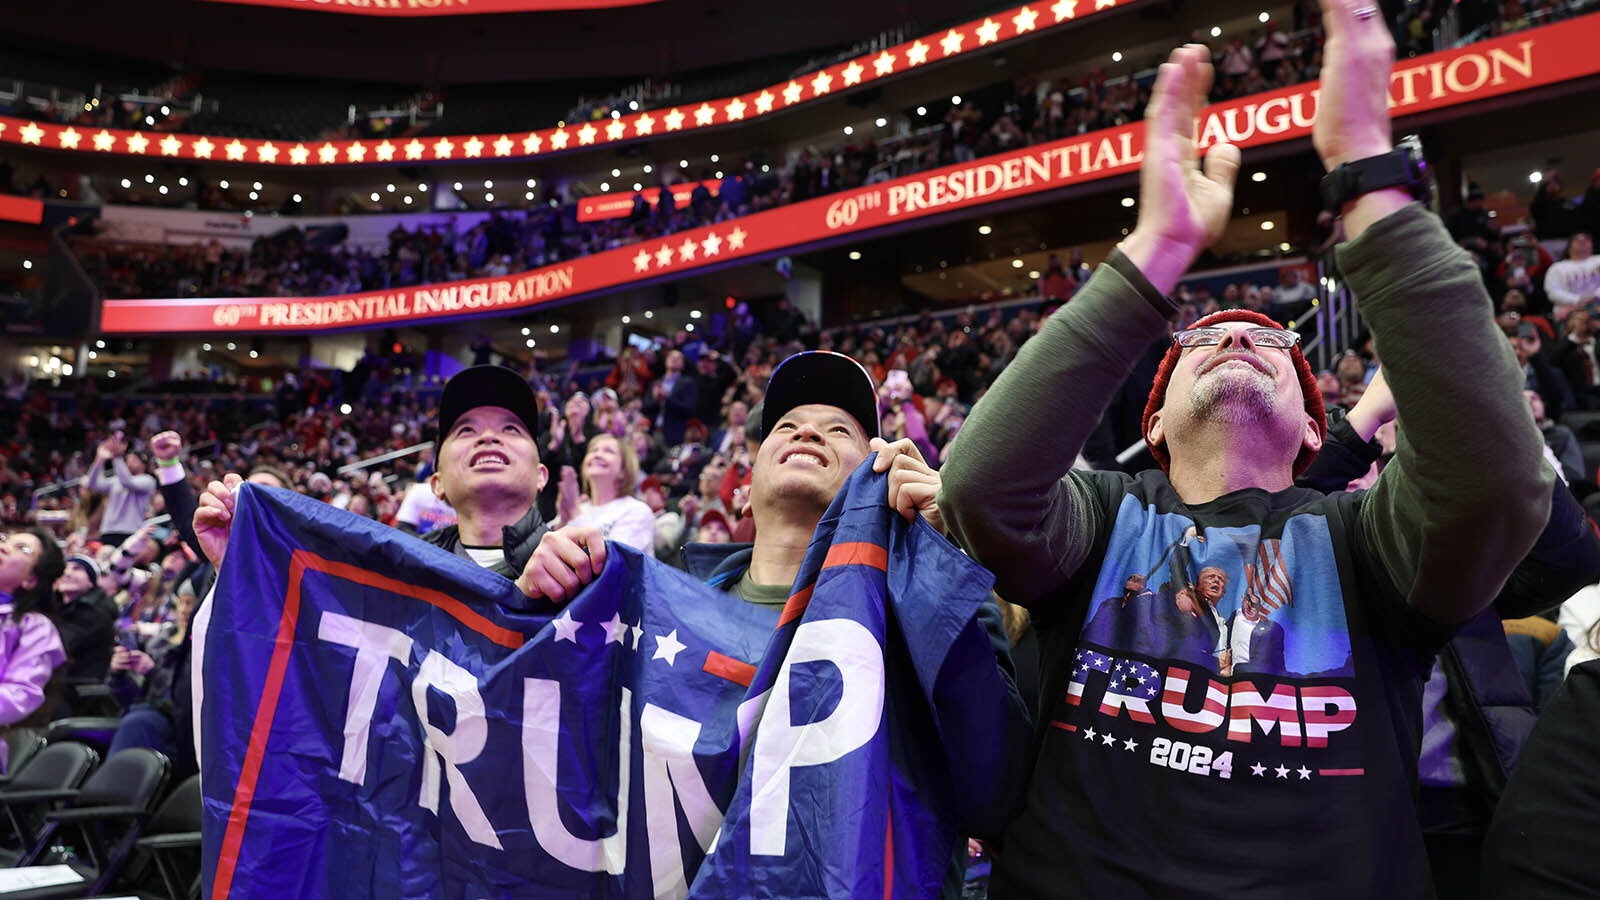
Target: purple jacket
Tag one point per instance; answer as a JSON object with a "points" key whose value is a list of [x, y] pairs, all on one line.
{"points": [[29, 651]]}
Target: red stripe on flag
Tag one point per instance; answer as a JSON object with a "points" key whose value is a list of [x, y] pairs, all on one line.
{"points": [[256, 752], [796, 607], [1335, 772], [736, 671], [1064, 726], [888, 853], [462, 613], [857, 553]]}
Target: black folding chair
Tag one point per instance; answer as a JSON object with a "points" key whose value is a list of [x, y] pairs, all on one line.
{"points": [[47, 781], [21, 744]]}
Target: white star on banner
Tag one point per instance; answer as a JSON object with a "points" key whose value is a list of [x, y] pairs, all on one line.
{"points": [[1305, 773], [1258, 770], [137, 142], [668, 646], [235, 149], [414, 149], [385, 151], [791, 94], [734, 109], [104, 141], [674, 119], [1282, 771], [32, 133], [645, 124], [641, 263], [357, 152], [664, 256], [764, 101], [327, 154], [711, 245], [530, 144], [686, 249], [1064, 9], [705, 114], [566, 627], [69, 138], [442, 148], [1024, 20], [586, 134], [1089, 734], [1130, 745], [1107, 739], [736, 238], [951, 44], [852, 73], [267, 152], [917, 54], [171, 146], [988, 32], [558, 140], [884, 64], [473, 147], [821, 83], [616, 630], [616, 130], [502, 146], [298, 154], [201, 148]]}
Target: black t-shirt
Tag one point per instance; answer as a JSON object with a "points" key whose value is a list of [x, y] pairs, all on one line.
{"points": [[1231, 706]]}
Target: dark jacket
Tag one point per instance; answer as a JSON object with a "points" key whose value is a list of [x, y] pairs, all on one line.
{"points": [[88, 627], [519, 540], [718, 565]]}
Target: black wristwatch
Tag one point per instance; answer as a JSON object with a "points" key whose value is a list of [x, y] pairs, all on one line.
{"points": [[1403, 167]]}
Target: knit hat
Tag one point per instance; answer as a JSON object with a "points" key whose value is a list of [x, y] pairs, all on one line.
{"points": [[1308, 386], [88, 564]]}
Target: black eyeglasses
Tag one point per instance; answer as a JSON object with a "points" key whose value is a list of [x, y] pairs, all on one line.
{"points": [[1210, 336]]}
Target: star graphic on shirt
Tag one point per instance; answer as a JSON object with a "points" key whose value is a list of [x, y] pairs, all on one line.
{"points": [[1282, 771], [566, 627], [1107, 739], [616, 630], [664, 256], [386, 152], [705, 114], [1150, 691], [32, 133], [104, 141], [137, 142], [641, 262], [502, 145], [473, 146], [736, 238], [1305, 773], [1130, 745], [821, 83], [616, 130], [852, 73], [645, 124], [298, 154], [357, 151], [674, 119], [586, 134], [201, 148], [69, 138], [734, 109], [1024, 20], [951, 42], [686, 249], [917, 54], [327, 153], [884, 64], [1064, 9], [668, 646], [791, 94], [988, 32], [1089, 734], [1258, 770], [711, 245]]}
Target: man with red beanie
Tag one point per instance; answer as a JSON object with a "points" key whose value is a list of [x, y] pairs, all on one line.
{"points": [[1269, 683]]}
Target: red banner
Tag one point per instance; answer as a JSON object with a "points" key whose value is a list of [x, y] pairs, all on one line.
{"points": [[407, 8], [617, 204], [1492, 68], [21, 209]]}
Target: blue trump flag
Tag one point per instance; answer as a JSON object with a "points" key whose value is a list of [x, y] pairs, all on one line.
{"points": [[381, 718]]}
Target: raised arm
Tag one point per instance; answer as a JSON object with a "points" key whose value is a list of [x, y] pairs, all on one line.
{"points": [[1005, 496]]}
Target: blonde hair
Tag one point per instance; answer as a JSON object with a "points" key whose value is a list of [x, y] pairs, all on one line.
{"points": [[628, 478]]}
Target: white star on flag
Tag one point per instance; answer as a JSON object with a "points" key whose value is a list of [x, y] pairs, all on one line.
{"points": [[1104, 4], [171, 146], [1024, 20], [357, 152], [69, 138], [473, 146], [235, 149], [736, 238], [686, 249], [1089, 734], [641, 263], [1130, 745], [530, 144], [616, 130], [267, 152], [734, 109], [1282, 771], [1064, 9], [711, 245], [586, 134], [298, 154], [1305, 773], [951, 43], [558, 140], [502, 146], [884, 64], [327, 154], [616, 630], [442, 148], [664, 256], [385, 152], [988, 32], [105, 140], [645, 124], [852, 73], [764, 101], [414, 149], [137, 142], [791, 94], [32, 133], [705, 114], [668, 646], [674, 119], [918, 54], [821, 83], [202, 148], [566, 628], [1107, 739], [1259, 770]]}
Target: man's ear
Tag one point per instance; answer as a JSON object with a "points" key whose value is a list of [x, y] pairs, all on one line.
{"points": [[438, 489], [1154, 432], [543, 479], [1313, 436]]}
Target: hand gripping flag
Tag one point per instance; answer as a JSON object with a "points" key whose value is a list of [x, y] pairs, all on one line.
{"points": [[383, 719]]}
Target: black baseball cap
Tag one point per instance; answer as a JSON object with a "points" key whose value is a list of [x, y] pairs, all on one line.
{"points": [[825, 377], [477, 386]]}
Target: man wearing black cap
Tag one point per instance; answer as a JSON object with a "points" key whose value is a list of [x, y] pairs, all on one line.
{"points": [[1315, 756]]}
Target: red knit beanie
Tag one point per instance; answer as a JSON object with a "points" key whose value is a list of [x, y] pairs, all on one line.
{"points": [[1308, 386]]}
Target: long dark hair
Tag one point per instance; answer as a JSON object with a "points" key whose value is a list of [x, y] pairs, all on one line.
{"points": [[46, 569]]}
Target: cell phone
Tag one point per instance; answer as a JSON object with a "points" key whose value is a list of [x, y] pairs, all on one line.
{"points": [[127, 640], [160, 533]]}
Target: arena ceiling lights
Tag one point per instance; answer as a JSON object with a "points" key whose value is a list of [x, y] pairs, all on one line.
{"points": [[990, 31]]}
